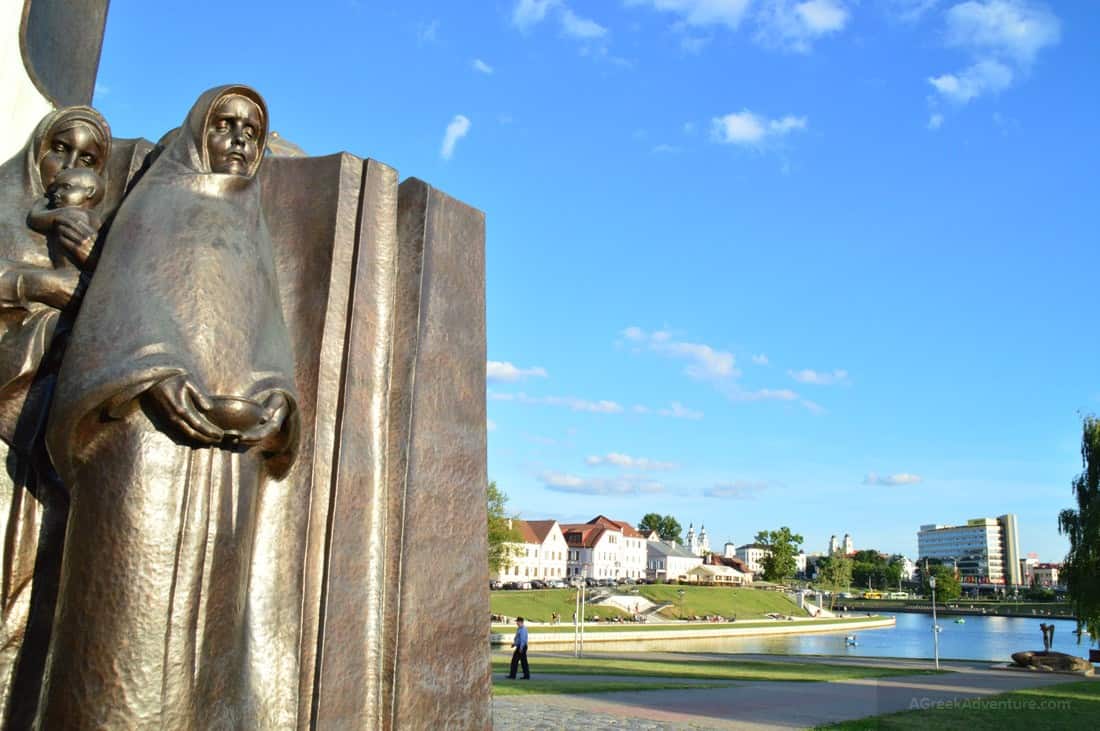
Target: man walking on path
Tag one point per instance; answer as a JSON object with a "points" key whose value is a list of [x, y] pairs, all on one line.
{"points": [[519, 655]]}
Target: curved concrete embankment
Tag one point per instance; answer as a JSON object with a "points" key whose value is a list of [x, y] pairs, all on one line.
{"points": [[696, 632]]}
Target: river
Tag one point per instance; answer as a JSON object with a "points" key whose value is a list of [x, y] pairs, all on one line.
{"points": [[978, 638]]}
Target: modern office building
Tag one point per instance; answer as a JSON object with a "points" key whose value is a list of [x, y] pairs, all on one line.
{"points": [[984, 551]]}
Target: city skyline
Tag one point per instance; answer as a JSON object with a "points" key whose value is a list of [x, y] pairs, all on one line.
{"points": [[819, 264]]}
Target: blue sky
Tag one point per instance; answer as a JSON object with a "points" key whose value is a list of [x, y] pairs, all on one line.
{"points": [[825, 264]]}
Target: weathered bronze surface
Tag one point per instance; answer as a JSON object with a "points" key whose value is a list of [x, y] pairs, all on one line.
{"points": [[268, 419], [36, 299], [60, 41]]}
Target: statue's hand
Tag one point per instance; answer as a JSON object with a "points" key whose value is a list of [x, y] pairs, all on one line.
{"points": [[57, 288], [77, 230], [270, 434], [182, 403]]}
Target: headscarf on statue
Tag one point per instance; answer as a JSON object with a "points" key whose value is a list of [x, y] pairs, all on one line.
{"points": [[186, 284], [27, 332]]}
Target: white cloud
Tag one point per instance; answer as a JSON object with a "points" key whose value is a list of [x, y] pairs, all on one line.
{"points": [[575, 26], [747, 128], [729, 13], [718, 367], [795, 26], [819, 378], [677, 410], [1003, 36], [427, 32], [902, 478], [737, 489], [528, 13], [822, 16], [762, 394], [626, 485], [812, 406], [703, 360], [627, 462], [456, 130], [570, 402], [910, 10], [504, 372], [987, 76], [1012, 28], [935, 121], [481, 66]]}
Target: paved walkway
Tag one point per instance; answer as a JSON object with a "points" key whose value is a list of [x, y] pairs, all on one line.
{"points": [[755, 705]]}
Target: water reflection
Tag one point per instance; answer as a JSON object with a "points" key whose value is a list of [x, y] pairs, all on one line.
{"points": [[978, 638]]}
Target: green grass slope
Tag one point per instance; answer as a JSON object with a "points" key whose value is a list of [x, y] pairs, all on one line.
{"points": [[538, 604], [720, 600], [744, 604]]}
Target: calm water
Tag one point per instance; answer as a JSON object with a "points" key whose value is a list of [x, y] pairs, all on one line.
{"points": [[979, 638]]}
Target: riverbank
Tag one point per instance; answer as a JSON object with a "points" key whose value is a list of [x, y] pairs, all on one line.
{"points": [[955, 609], [562, 635]]}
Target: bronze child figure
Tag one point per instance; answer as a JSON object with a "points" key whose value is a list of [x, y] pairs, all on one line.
{"points": [[72, 188]]}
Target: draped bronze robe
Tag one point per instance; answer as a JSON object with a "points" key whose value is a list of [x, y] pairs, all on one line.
{"points": [[32, 504], [164, 620]]}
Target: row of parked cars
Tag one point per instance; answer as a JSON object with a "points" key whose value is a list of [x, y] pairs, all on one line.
{"points": [[561, 584]]}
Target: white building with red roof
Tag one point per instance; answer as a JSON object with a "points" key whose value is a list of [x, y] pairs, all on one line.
{"points": [[604, 548], [539, 554]]}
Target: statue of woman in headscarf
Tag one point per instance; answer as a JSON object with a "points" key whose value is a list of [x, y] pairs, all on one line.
{"points": [[175, 408], [38, 297]]}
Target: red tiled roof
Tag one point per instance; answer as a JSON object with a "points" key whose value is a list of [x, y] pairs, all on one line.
{"points": [[583, 535], [731, 561], [621, 525], [542, 528], [526, 534]]}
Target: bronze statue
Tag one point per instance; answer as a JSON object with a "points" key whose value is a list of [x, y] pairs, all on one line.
{"points": [[175, 409], [261, 384], [39, 289]]}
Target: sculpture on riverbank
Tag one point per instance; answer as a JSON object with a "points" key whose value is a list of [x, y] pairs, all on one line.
{"points": [[269, 411]]}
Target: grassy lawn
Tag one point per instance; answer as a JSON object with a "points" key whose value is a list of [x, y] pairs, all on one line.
{"points": [[538, 604], [723, 601], [1054, 708], [703, 670], [567, 628], [573, 687]]}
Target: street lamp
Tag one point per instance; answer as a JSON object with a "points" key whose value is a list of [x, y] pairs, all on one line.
{"points": [[935, 626], [681, 593]]}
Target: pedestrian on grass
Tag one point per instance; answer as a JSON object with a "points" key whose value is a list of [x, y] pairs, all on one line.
{"points": [[519, 655]]}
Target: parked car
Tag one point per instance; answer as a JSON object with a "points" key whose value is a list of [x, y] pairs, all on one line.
{"points": [[538, 584], [494, 585], [525, 585], [558, 584], [626, 580], [590, 582]]}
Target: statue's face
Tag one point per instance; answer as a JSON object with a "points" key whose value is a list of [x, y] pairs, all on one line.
{"points": [[232, 136], [75, 147], [73, 190]]}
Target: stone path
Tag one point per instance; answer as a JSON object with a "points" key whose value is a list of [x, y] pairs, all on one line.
{"points": [[762, 705]]}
